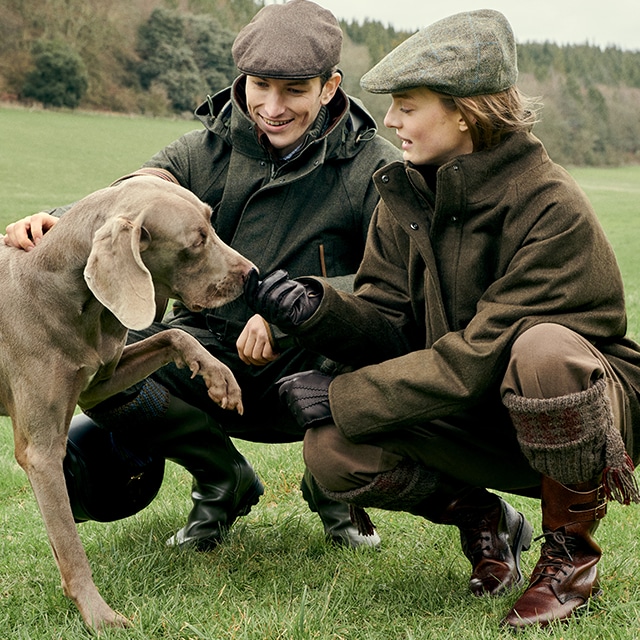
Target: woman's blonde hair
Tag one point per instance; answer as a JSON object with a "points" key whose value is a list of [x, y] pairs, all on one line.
{"points": [[493, 116]]}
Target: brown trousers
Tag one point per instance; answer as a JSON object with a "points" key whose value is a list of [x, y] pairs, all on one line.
{"points": [[477, 448]]}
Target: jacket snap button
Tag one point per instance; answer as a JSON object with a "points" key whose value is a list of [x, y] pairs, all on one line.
{"points": [[385, 178], [414, 226]]}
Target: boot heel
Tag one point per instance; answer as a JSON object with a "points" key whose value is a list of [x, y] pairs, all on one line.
{"points": [[524, 535]]}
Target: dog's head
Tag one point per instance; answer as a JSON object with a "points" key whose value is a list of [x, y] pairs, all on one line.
{"points": [[158, 241]]}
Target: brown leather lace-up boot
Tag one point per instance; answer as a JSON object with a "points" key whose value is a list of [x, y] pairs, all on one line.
{"points": [[566, 575], [492, 534]]}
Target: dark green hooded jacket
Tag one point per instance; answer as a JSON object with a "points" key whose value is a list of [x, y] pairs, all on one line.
{"points": [[308, 215]]}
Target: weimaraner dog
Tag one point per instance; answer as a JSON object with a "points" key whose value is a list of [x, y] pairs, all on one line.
{"points": [[66, 308]]}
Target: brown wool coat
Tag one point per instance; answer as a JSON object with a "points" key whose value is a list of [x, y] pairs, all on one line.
{"points": [[448, 282]]}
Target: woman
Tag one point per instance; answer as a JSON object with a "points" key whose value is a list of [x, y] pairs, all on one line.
{"points": [[486, 337]]}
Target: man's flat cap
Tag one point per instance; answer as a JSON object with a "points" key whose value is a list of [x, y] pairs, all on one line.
{"points": [[467, 54], [298, 39]]}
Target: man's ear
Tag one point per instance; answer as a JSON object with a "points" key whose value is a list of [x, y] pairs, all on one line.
{"points": [[330, 87]]}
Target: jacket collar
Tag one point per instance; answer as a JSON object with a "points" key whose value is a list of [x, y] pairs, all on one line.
{"points": [[505, 162], [480, 177], [343, 126]]}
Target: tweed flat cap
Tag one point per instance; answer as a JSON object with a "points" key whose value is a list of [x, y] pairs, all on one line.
{"points": [[298, 39], [467, 54]]}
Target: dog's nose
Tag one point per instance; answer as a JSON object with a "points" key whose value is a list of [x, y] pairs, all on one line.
{"points": [[251, 277]]}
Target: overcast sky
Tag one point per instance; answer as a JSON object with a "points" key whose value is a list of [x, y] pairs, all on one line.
{"points": [[598, 22]]}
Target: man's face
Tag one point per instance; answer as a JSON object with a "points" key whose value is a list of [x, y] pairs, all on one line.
{"points": [[285, 109]]}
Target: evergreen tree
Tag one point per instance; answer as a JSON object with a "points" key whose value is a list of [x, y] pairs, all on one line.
{"points": [[59, 78]]}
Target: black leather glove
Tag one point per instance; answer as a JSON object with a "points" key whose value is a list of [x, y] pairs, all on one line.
{"points": [[307, 396], [281, 301]]}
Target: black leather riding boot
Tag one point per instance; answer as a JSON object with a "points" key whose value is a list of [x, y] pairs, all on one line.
{"points": [[225, 486], [335, 517]]}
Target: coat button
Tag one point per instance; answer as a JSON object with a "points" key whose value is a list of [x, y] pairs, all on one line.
{"points": [[414, 226], [385, 178]]}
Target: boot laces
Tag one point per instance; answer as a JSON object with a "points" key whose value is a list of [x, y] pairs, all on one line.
{"points": [[479, 539], [557, 551]]}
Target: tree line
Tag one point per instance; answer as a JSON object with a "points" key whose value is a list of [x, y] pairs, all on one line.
{"points": [[162, 57]]}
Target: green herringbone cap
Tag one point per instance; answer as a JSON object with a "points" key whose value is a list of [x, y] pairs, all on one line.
{"points": [[467, 54]]}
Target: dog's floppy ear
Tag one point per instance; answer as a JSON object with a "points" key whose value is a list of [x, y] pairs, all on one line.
{"points": [[116, 275]]}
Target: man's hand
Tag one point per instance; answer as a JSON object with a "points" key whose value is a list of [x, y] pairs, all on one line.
{"points": [[307, 396], [283, 302], [255, 343], [26, 233]]}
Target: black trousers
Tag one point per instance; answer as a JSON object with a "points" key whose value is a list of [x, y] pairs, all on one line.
{"points": [[265, 418]]}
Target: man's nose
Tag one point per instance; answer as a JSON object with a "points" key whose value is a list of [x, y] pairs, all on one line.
{"points": [[274, 104]]}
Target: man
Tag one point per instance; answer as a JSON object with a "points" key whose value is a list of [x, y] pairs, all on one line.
{"points": [[285, 160]]}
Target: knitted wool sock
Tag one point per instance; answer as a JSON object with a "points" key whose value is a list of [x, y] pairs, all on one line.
{"points": [[399, 489], [148, 405], [573, 439]]}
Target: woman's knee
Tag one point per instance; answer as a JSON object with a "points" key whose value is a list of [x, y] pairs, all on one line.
{"points": [[320, 456], [341, 465], [550, 360]]}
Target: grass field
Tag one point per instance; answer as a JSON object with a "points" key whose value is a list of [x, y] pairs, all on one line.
{"points": [[275, 577]]}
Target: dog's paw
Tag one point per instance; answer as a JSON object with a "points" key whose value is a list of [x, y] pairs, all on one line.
{"points": [[221, 384]]}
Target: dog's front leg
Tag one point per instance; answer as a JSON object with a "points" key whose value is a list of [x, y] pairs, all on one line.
{"points": [[140, 359], [39, 449]]}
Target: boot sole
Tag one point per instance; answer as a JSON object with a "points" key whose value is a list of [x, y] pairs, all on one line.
{"points": [[249, 500]]}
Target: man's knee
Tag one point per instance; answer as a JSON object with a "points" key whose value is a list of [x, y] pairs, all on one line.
{"points": [[542, 345]]}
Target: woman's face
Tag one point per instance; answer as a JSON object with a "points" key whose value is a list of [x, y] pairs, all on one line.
{"points": [[430, 133]]}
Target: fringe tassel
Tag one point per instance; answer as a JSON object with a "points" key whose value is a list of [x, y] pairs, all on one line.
{"points": [[361, 520], [620, 484]]}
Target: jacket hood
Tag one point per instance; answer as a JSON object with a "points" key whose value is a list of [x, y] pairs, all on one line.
{"points": [[225, 114]]}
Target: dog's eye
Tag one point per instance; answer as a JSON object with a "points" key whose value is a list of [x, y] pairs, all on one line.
{"points": [[200, 241]]}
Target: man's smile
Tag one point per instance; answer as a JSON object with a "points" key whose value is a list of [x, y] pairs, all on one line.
{"points": [[276, 123]]}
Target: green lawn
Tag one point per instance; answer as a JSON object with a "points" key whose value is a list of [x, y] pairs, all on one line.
{"points": [[50, 158], [275, 578]]}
